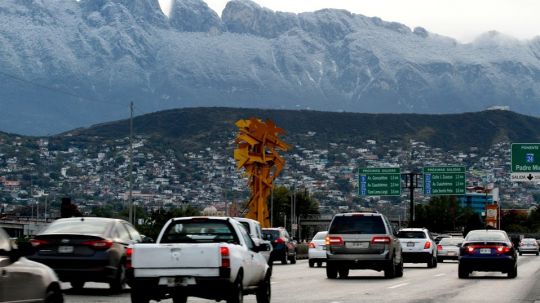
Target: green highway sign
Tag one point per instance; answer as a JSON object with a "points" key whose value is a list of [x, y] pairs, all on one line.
{"points": [[384, 181], [444, 180], [525, 165]]}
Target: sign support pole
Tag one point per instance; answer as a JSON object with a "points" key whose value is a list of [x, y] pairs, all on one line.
{"points": [[411, 182]]}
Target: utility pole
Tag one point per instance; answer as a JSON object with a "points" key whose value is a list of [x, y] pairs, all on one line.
{"points": [[130, 196], [272, 206], [412, 181]]}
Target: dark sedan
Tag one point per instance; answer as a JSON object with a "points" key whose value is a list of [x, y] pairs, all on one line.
{"points": [[86, 249], [487, 250], [284, 248]]}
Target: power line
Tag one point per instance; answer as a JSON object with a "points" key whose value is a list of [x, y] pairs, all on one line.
{"points": [[57, 90]]}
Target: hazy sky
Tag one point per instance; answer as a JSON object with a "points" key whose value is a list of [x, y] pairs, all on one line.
{"points": [[460, 19]]}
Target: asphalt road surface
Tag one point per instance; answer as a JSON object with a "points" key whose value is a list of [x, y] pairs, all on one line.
{"points": [[299, 283]]}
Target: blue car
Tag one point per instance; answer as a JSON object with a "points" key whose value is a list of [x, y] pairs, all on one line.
{"points": [[487, 250]]}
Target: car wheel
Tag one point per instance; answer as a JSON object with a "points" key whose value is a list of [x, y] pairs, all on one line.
{"points": [[77, 285], [293, 259], [390, 270], [440, 260], [311, 263], [513, 272], [270, 268], [431, 262], [138, 296], [331, 271], [54, 295], [399, 269], [117, 285], [319, 264], [463, 272], [343, 273], [264, 292], [237, 293], [435, 262], [521, 254], [537, 254], [179, 298], [284, 259]]}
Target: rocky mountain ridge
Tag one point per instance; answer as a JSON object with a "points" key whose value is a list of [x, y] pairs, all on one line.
{"points": [[68, 64]]}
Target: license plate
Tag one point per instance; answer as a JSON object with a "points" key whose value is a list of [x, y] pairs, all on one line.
{"points": [[177, 281], [451, 253], [410, 244], [65, 249], [485, 251], [356, 244]]}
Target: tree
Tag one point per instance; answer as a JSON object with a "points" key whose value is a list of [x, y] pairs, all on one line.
{"points": [[157, 219], [305, 205]]}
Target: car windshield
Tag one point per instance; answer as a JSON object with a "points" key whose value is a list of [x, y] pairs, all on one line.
{"points": [[93, 227], [486, 236], [357, 224], [206, 231], [411, 234], [451, 241]]}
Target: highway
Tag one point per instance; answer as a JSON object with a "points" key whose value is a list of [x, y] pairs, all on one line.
{"points": [[299, 283]]}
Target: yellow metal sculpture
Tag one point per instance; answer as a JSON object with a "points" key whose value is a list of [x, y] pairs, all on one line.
{"points": [[256, 152]]}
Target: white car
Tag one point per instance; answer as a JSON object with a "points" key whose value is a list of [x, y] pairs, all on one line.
{"points": [[448, 248], [418, 246], [22, 280], [317, 249], [253, 227]]}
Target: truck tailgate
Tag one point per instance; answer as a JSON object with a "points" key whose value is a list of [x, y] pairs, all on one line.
{"points": [[176, 256]]}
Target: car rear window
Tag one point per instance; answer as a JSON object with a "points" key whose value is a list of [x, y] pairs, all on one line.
{"points": [[486, 236], [411, 234], [357, 225], [320, 236], [451, 241], [195, 231], [528, 241], [91, 227], [269, 234]]}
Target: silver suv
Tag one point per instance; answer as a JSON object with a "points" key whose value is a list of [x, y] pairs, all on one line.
{"points": [[363, 240]]}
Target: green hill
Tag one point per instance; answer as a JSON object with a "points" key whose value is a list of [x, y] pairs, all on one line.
{"points": [[194, 128]]}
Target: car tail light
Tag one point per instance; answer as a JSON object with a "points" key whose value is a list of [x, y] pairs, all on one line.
{"points": [[469, 249], [334, 241], [38, 242], [381, 240], [503, 249], [439, 247], [129, 253], [99, 244], [427, 245], [225, 261], [279, 241], [311, 245]]}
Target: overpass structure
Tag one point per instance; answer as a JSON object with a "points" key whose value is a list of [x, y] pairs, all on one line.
{"points": [[23, 227]]}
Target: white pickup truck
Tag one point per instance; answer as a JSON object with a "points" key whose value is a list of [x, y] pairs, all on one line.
{"points": [[207, 257]]}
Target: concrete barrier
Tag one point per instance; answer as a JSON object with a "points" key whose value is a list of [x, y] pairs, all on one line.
{"points": [[302, 251]]}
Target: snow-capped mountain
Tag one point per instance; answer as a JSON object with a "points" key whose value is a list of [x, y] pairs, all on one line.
{"points": [[68, 63]]}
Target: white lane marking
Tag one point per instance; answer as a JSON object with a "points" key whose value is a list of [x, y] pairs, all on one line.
{"points": [[439, 275], [398, 285]]}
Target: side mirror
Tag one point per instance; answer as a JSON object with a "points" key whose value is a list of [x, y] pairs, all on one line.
{"points": [[146, 239], [263, 247]]}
